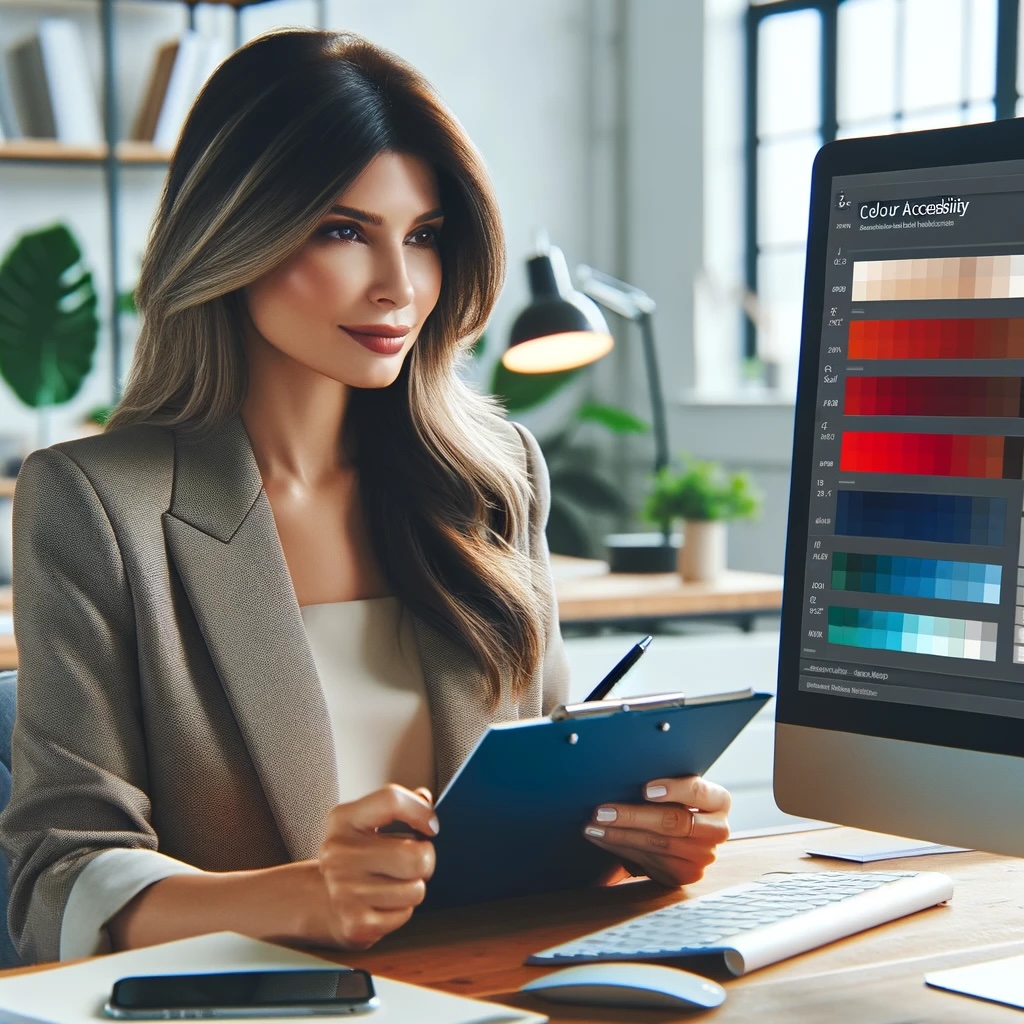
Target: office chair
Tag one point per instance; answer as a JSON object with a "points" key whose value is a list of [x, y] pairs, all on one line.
{"points": [[8, 691]]}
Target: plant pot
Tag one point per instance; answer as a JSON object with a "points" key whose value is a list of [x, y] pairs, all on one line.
{"points": [[702, 556], [642, 552]]}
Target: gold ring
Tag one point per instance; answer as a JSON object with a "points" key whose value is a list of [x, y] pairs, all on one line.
{"points": [[693, 821]]}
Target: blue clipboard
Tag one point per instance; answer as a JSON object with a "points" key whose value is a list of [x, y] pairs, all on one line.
{"points": [[511, 817]]}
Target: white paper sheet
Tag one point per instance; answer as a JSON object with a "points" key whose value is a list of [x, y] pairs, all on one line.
{"points": [[999, 981], [76, 994], [876, 846]]}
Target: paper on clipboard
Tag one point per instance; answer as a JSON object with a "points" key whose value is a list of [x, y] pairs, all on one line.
{"points": [[512, 816]]}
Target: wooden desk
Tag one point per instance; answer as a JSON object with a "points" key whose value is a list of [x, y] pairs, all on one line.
{"points": [[873, 978], [589, 594]]}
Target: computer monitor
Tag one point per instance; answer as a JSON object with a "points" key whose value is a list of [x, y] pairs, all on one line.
{"points": [[901, 671]]}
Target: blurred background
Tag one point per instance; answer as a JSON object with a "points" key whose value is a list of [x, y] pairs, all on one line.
{"points": [[667, 143]]}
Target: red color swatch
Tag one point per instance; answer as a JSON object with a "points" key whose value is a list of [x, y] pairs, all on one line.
{"points": [[969, 338], [932, 396], [923, 454]]}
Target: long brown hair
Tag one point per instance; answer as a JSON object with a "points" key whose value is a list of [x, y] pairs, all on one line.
{"points": [[283, 127]]}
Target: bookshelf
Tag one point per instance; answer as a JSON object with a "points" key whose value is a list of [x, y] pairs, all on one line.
{"points": [[114, 154]]}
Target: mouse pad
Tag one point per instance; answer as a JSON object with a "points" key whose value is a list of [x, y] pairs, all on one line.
{"points": [[512, 816]]}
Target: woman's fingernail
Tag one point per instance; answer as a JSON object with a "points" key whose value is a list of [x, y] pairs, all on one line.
{"points": [[653, 792], [596, 833], [606, 814], [435, 825]]}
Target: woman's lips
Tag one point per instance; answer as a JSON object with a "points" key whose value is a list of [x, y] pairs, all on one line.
{"points": [[378, 343]]}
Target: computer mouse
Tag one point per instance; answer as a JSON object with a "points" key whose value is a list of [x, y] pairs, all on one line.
{"points": [[644, 986]]}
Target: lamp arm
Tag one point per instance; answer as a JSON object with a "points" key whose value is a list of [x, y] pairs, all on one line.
{"points": [[619, 296], [661, 453]]}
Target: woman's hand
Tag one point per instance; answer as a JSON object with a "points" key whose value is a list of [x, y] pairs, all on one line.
{"points": [[672, 838], [375, 880]]}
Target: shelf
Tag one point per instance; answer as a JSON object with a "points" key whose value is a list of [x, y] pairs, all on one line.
{"points": [[220, 3], [50, 150]]}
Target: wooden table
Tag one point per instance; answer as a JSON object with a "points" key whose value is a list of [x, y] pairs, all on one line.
{"points": [[589, 594], [872, 978]]}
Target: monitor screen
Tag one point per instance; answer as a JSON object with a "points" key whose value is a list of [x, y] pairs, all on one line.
{"points": [[902, 644]]}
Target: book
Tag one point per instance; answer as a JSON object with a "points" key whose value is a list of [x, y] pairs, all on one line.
{"points": [[75, 994], [189, 60], [149, 110], [76, 111], [9, 122], [31, 91], [57, 97]]}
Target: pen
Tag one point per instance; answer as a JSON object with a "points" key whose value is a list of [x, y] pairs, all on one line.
{"points": [[631, 657]]}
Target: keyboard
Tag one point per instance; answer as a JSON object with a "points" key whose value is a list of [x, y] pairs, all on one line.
{"points": [[759, 923]]}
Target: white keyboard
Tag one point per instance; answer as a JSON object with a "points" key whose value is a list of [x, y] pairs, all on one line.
{"points": [[759, 923]]}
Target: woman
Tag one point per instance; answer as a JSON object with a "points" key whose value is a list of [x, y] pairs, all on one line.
{"points": [[273, 607]]}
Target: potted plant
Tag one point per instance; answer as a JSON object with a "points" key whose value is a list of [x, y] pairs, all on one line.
{"points": [[705, 497]]}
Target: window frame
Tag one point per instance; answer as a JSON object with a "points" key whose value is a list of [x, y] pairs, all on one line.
{"points": [[1005, 100]]}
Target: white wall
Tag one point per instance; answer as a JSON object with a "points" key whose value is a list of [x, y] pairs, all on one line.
{"points": [[683, 131]]}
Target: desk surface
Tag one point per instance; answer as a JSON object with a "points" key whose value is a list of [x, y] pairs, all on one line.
{"points": [[873, 978], [588, 592]]}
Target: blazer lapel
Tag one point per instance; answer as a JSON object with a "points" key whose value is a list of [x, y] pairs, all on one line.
{"points": [[222, 537]]}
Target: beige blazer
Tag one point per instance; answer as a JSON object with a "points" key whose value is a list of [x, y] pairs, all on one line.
{"points": [[167, 695]]}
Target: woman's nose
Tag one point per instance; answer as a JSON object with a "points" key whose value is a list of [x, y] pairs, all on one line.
{"points": [[392, 282]]}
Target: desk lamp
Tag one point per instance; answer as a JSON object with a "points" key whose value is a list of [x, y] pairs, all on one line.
{"points": [[563, 329]]}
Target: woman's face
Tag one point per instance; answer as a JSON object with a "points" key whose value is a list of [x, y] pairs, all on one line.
{"points": [[351, 302]]}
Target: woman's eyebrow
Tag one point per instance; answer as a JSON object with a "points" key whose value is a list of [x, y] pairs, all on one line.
{"points": [[377, 220]]}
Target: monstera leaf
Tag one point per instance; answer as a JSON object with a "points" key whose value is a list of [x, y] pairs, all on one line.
{"points": [[48, 323]]}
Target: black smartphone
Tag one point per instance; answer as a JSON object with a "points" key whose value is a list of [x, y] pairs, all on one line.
{"points": [[279, 993]]}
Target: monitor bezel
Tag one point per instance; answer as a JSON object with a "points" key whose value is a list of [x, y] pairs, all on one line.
{"points": [[946, 147]]}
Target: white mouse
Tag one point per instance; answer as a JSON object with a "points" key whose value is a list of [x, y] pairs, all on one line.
{"points": [[646, 986]]}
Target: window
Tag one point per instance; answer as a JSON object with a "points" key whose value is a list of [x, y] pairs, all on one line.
{"points": [[824, 69]]}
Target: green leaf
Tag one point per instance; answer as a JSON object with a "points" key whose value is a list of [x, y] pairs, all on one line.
{"points": [[520, 391], [48, 323], [588, 489], [701, 490], [126, 302], [567, 532], [618, 421]]}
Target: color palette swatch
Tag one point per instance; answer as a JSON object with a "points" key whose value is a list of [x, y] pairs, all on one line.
{"points": [[913, 634], [980, 456], [916, 577], [933, 396], [939, 277], [966, 338], [946, 518]]}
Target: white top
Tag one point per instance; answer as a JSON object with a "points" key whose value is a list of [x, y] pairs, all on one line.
{"points": [[366, 656], [369, 666]]}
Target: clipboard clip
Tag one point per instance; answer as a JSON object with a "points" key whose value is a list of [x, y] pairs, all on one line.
{"points": [[593, 708]]}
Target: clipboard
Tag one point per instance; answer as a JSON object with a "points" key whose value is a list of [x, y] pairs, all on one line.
{"points": [[512, 816]]}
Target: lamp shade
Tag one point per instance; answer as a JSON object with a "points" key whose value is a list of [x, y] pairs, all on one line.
{"points": [[560, 329]]}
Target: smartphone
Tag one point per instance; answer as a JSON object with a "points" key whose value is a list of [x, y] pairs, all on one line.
{"points": [[278, 993]]}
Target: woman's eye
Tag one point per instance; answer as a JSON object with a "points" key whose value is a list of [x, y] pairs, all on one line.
{"points": [[424, 236], [344, 232]]}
